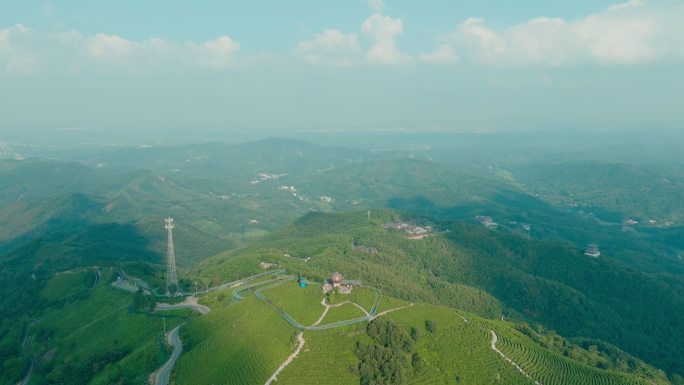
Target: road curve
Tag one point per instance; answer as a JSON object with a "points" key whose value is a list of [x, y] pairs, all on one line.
{"points": [[495, 339], [189, 303], [161, 375], [29, 373]]}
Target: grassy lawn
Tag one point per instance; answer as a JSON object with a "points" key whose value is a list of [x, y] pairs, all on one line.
{"points": [[66, 284], [361, 295], [341, 313], [303, 304], [388, 303]]}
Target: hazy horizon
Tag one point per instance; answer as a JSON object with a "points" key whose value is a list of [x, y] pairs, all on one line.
{"points": [[364, 65]]}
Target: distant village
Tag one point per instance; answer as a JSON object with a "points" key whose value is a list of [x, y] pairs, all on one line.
{"points": [[487, 222], [628, 223]]}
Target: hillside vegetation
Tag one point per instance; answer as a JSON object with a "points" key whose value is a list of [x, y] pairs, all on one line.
{"points": [[311, 209], [485, 272], [244, 342]]}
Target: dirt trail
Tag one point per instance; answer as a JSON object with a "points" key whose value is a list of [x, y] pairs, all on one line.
{"points": [[320, 319], [362, 309], [389, 311], [495, 339], [274, 377]]}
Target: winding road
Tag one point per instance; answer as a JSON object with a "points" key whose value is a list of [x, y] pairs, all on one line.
{"points": [[161, 375], [25, 345]]}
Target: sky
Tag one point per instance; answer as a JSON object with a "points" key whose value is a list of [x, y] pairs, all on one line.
{"points": [[132, 65]]}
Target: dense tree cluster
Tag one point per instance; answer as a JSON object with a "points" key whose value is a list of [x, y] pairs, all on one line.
{"points": [[142, 301], [81, 372], [385, 361]]}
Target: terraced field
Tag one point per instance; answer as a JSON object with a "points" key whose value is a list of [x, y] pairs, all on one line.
{"points": [[327, 358], [456, 352], [244, 342], [77, 335], [553, 369], [240, 344], [303, 304]]}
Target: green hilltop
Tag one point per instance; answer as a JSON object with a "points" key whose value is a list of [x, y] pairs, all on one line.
{"points": [[481, 271], [245, 342]]}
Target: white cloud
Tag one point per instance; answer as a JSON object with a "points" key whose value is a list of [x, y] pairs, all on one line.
{"points": [[26, 51], [444, 54], [384, 30], [331, 47], [334, 48], [13, 57], [628, 4], [219, 52], [628, 33], [107, 46], [378, 6]]}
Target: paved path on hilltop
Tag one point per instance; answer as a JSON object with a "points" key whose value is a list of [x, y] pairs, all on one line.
{"points": [[389, 311], [368, 317], [274, 377], [328, 307], [161, 375], [189, 303], [495, 339], [240, 281]]}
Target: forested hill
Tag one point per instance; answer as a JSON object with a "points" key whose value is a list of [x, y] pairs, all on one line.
{"points": [[615, 191], [489, 272]]}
